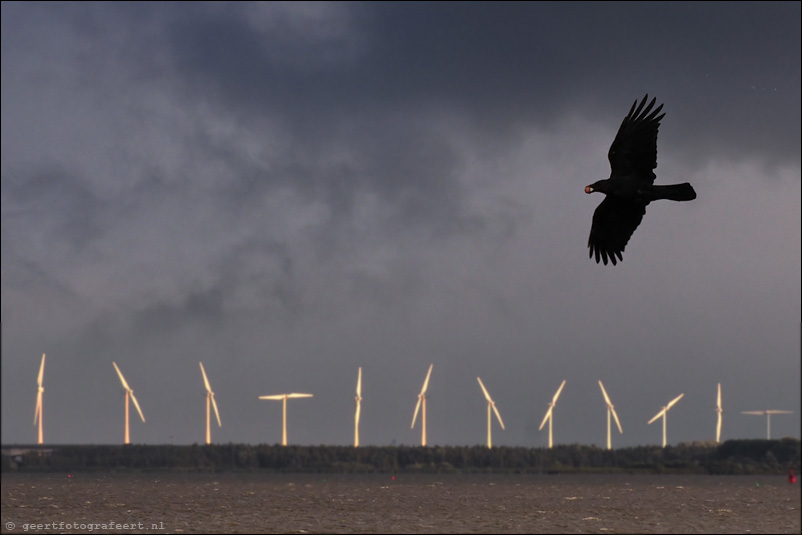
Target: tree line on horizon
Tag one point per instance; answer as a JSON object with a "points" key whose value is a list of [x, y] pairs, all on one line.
{"points": [[734, 457]]}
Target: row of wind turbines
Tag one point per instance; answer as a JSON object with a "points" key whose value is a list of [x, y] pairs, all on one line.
{"points": [[420, 407]]}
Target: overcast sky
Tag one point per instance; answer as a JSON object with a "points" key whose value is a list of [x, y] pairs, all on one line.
{"points": [[287, 192]]}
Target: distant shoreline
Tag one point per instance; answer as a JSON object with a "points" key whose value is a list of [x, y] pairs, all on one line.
{"points": [[734, 457]]}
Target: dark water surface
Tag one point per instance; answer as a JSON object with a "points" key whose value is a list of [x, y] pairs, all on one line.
{"points": [[381, 503]]}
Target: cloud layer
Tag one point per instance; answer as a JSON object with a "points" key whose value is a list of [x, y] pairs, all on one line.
{"points": [[289, 191]]}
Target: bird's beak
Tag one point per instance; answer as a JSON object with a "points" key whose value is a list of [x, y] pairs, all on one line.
{"points": [[588, 189]]}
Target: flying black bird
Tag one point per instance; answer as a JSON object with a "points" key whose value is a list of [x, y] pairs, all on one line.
{"points": [[633, 156]]}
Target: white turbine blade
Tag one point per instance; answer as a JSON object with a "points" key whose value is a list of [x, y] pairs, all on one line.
{"points": [[137, 405], [358, 411], [617, 422], [718, 400], [122, 379], [606, 397], [426, 382], [498, 414], [754, 412], [658, 415], [779, 412], [300, 395], [38, 412], [546, 418], [673, 401], [718, 427], [216, 412], [359, 383], [41, 371], [487, 396], [554, 401], [276, 396], [205, 379], [417, 408]]}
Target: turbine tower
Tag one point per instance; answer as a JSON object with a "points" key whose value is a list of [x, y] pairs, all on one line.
{"points": [[37, 415], [490, 405], [610, 411], [768, 414], [663, 414], [550, 412], [284, 398], [358, 400], [719, 410], [209, 401], [422, 402], [129, 393]]}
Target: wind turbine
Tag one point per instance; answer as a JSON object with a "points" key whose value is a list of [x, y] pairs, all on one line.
{"points": [[610, 410], [422, 401], [663, 414], [768, 418], [284, 398], [128, 394], [358, 400], [719, 410], [209, 401], [490, 404], [37, 415], [549, 412]]}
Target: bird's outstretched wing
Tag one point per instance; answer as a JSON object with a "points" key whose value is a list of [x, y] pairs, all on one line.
{"points": [[614, 221], [633, 153]]}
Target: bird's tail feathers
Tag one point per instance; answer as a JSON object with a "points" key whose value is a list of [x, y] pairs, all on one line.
{"points": [[676, 192]]}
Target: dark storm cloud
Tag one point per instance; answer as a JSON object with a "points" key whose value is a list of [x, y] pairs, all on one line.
{"points": [[503, 67], [360, 86], [509, 63], [45, 192]]}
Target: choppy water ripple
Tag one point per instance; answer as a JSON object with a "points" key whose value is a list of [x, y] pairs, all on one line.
{"points": [[381, 503]]}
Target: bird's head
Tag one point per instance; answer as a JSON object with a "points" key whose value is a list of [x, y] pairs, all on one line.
{"points": [[600, 186]]}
